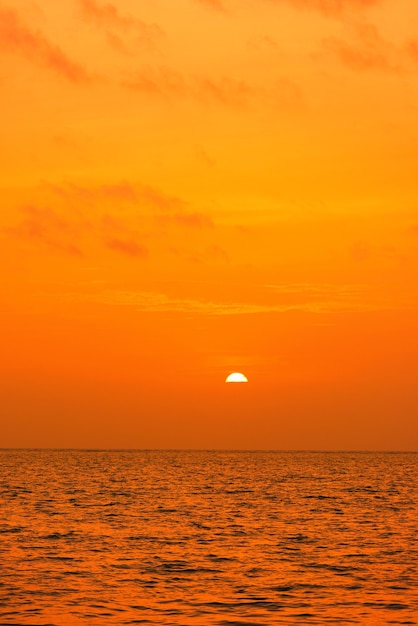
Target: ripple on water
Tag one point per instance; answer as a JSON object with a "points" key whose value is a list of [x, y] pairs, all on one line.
{"points": [[189, 538]]}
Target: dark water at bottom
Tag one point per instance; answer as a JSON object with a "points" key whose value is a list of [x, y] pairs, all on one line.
{"points": [[210, 538]]}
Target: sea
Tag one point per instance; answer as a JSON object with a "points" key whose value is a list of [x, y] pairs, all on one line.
{"points": [[225, 538]]}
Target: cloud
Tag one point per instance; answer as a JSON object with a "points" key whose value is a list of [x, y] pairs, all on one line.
{"points": [[121, 211], [17, 38], [217, 253], [203, 157], [217, 5], [329, 8], [158, 199], [45, 226], [412, 49], [129, 247], [117, 43], [229, 92], [368, 50], [362, 252], [163, 207], [154, 302], [63, 230], [122, 192], [167, 83], [321, 289], [263, 42], [158, 81], [160, 302], [108, 16]]}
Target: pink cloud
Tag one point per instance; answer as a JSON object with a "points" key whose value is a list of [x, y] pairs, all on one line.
{"points": [[17, 38]]}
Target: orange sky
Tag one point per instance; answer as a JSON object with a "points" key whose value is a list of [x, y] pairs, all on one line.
{"points": [[196, 187]]}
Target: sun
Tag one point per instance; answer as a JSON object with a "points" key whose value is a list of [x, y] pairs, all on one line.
{"points": [[236, 377]]}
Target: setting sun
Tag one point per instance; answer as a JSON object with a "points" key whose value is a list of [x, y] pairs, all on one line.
{"points": [[236, 377]]}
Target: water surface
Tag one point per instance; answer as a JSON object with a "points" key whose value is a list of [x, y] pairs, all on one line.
{"points": [[207, 538]]}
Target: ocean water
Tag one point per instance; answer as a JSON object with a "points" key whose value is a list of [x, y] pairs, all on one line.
{"points": [[207, 537]]}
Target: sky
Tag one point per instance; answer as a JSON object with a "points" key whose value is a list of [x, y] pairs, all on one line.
{"points": [[198, 187]]}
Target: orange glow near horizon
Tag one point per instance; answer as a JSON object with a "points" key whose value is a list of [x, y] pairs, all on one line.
{"points": [[195, 188]]}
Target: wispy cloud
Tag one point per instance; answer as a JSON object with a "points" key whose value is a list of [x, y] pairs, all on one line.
{"points": [[121, 191], [169, 84], [171, 210], [203, 157], [412, 49], [363, 252], [160, 302], [159, 199], [317, 299], [263, 42], [364, 48], [345, 295], [159, 81], [162, 208], [47, 227], [217, 5], [121, 212], [330, 8], [108, 16], [128, 247], [17, 38], [224, 90], [367, 50], [76, 218]]}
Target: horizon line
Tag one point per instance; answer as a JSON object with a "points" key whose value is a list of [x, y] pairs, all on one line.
{"points": [[282, 450]]}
